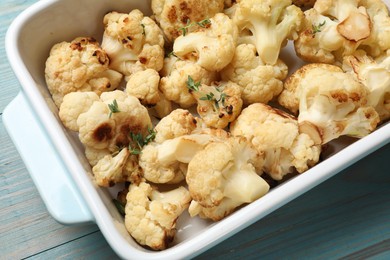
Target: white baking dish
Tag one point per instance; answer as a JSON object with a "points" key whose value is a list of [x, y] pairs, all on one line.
{"points": [[28, 42]]}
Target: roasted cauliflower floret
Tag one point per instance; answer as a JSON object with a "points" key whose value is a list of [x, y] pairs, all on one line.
{"points": [[74, 104], [277, 135], [166, 162], [179, 122], [79, 65], [331, 103], [334, 29], [267, 24], [174, 80], [218, 104], [144, 86], [150, 215], [211, 46], [222, 177], [133, 42], [259, 82], [175, 14], [375, 75], [109, 121]]}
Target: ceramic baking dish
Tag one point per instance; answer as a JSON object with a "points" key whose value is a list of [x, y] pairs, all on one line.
{"points": [[28, 42]]}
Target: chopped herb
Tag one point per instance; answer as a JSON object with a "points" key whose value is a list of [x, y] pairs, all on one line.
{"points": [[204, 24], [172, 53], [211, 97], [143, 29], [317, 28], [184, 29], [140, 141], [113, 108], [192, 85], [120, 207]]}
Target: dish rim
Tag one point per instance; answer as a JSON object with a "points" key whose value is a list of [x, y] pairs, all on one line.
{"points": [[214, 233]]}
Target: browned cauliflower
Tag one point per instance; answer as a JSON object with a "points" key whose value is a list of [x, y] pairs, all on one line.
{"points": [[374, 74], [334, 29], [211, 46], [175, 14], [133, 42], [144, 86], [174, 80], [79, 65], [218, 104], [179, 122], [330, 102], [277, 135], [105, 127], [259, 82], [305, 4], [150, 215], [222, 177]]}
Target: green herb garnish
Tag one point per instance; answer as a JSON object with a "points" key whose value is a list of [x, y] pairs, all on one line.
{"points": [[211, 97], [143, 29], [140, 141], [192, 85], [317, 28], [113, 108], [120, 207], [204, 23]]}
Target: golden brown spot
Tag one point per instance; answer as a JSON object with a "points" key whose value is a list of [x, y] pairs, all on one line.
{"points": [[76, 46], [103, 132], [355, 97], [172, 15], [143, 60], [126, 20], [339, 96]]}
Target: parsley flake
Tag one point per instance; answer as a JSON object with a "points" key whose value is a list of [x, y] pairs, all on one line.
{"points": [[317, 28], [113, 108]]}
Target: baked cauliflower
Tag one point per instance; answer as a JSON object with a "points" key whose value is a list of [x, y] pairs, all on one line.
{"points": [[334, 29], [172, 15], [133, 42], [79, 65], [211, 46], [218, 104], [150, 215], [223, 176], [267, 24], [106, 125], [144, 86], [175, 79], [374, 74], [260, 82], [331, 103], [277, 135]]}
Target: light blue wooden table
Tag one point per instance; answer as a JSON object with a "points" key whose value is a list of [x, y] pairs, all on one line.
{"points": [[347, 217]]}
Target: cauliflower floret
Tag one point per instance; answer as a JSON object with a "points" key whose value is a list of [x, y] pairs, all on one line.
{"points": [[277, 135], [79, 65], [270, 23], [218, 104], [174, 80], [259, 82], [144, 86], [109, 121], [133, 42], [166, 162], [150, 215], [331, 103], [175, 14], [375, 75], [222, 177], [179, 122], [211, 46], [74, 104], [334, 29]]}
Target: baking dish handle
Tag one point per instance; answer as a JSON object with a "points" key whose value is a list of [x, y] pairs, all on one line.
{"points": [[54, 183]]}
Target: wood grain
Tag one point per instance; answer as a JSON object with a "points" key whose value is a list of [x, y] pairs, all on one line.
{"points": [[345, 217]]}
